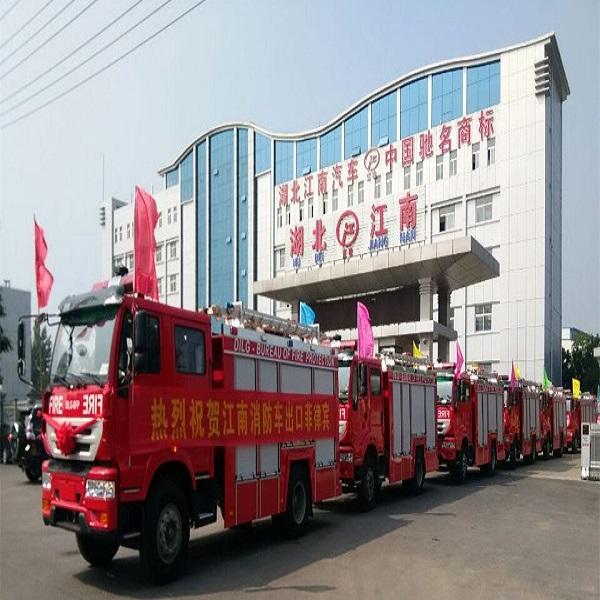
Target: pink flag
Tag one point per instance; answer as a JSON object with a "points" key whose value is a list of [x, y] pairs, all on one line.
{"points": [[144, 247], [459, 360], [43, 277], [365, 333], [513, 378]]}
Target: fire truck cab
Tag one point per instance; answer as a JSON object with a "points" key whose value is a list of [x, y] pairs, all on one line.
{"points": [[470, 423], [582, 410], [158, 417], [387, 424]]}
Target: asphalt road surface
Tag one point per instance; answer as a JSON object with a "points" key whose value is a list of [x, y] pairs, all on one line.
{"points": [[529, 533]]}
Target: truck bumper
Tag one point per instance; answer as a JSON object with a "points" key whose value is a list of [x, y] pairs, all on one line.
{"points": [[65, 504], [447, 449]]}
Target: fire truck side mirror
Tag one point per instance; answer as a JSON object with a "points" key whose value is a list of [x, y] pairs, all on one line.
{"points": [[21, 349], [140, 341]]}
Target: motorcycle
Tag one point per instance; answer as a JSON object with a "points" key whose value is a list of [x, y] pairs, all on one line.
{"points": [[34, 453]]}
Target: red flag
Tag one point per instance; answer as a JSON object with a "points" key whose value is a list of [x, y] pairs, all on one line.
{"points": [[365, 333], [43, 277], [513, 378], [144, 247], [459, 360]]}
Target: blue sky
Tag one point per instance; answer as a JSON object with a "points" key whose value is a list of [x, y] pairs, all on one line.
{"points": [[285, 65]]}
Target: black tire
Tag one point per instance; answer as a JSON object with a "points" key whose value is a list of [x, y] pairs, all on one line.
{"points": [[530, 459], [415, 485], [511, 461], [97, 552], [367, 492], [294, 521], [33, 474], [165, 532], [460, 467], [559, 451], [547, 448], [5, 455]]}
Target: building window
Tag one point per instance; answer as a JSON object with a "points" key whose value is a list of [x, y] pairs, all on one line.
{"points": [[446, 96], [451, 318], [383, 120], [187, 178], [361, 192], [120, 233], [279, 217], [475, 156], [306, 157], [483, 317], [160, 219], [325, 199], [453, 162], [288, 214], [388, 183], [311, 208], [483, 86], [169, 216], [419, 173], [301, 210], [116, 234], [331, 147], [355, 134], [262, 153], [279, 259], [284, 161], [160, 286], [439, 167], [172, 178], [446, 215], [491, 151], [172, 250], [483, 209], [174, 214], [172, 283], [351, 195], [413, 107], [159, 253], [407, 178], [377, 180], [131, 261], [334, 200]]}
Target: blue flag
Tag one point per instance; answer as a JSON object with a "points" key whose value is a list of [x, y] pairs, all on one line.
{"points": [[307, 314]]}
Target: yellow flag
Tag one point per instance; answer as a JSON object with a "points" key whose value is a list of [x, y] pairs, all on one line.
{"points": [[416, 352], [517, 372], [576, 388]]}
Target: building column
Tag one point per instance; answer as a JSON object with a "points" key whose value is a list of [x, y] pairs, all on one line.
{"points": [[427, 288], [295, 310], [443, 316]]}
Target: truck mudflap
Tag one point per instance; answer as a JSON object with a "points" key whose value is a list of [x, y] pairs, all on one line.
{"points": [[66, 504]]}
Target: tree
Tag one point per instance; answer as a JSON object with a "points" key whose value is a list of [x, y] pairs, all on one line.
{"points": [[5, 344], [41, 357], [581, 364]]}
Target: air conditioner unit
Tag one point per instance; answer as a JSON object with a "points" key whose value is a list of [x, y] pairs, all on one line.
{"points": [[590, 451]]}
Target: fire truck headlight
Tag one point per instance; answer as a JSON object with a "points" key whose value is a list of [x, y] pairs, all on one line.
{"points": [[98, 488], [46, 480], [346, 457]]}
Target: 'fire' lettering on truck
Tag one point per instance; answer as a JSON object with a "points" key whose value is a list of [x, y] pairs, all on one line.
{"points": [[180, 419]]}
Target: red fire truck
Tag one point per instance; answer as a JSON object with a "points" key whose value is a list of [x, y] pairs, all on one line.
{"points": [[387, 424], [553, 422], [470, 422], [522, 421], [579, 411], [157, 417]]}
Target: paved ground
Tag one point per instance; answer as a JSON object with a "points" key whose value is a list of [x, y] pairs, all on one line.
{"points": [[530, 533]]}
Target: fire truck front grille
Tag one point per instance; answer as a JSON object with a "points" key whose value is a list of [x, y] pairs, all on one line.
{"points": [[86, 442]]}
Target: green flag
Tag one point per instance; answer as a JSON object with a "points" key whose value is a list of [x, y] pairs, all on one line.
{"points": [[546, 382]]}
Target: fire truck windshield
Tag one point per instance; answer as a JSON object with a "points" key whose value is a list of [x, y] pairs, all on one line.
{"points": [[82, 347], [444, 389]]}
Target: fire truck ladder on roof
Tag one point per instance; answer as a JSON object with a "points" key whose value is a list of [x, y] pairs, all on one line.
{"points": [[407, 361], [236, 315]]}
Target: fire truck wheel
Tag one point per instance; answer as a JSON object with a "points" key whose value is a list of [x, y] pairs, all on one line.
{"points": [[294, 520], [490, 468], [460, 467], [547, 448], [415, 485], [533, 454], [512, 457], [33, 474], [165, 532], [368, 485], [96, 551], [559, 451]]}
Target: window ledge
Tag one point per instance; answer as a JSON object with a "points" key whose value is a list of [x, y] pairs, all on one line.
{"points": [[476, 333], [454, 230]]}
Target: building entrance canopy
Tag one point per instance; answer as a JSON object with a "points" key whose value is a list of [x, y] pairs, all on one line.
{"points": [[450, 264]]}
